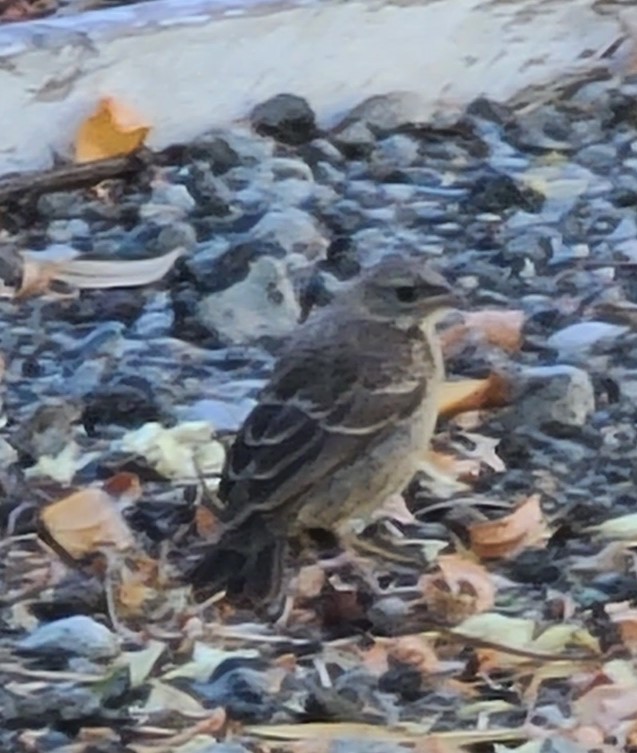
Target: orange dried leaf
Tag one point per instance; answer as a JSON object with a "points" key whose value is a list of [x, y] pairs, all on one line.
{"points": [[416, 651], [375, 659], [206, 522], [473, 394], [459, 589], [501, 328], [133, 595], [492, 326], [451, 465], [505, 537], [112, 131], [124, 486], [86, 521]]}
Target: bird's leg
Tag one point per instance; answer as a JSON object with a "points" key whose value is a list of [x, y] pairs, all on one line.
{"points": [[209, 498], [376, 542], [383, 544], [388, 549]]}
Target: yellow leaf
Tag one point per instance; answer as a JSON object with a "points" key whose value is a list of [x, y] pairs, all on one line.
{"points": [[86, 521], [473, 394], [112, 131]]}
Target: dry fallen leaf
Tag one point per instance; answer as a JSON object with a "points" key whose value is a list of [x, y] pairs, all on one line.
{"points": [[61, 264], [360, 731], [607, 706], [625, 617], [459, 589], [37, 277], [493, 326], [623, 527], [415, 650], [507, 536], [120, 273], [517, 640], [184, 451], [473, 394], [112, 131], [89, 520]]}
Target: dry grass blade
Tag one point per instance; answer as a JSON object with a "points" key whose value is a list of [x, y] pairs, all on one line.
{"points": [[360, 731]]}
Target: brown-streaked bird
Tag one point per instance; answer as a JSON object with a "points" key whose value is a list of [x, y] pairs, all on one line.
{"points": [[342, 424]]}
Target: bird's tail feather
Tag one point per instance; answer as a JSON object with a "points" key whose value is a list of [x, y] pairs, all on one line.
{"points": [[247, 562]]}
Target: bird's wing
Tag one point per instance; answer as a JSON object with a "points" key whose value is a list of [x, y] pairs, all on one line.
{"points": [[322, 409]]}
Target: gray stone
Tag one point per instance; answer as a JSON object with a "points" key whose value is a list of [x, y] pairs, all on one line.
{"points": [[157, 317], [262, 305], [285, 117], [579, 338], [387, 112], [598, 156], [355, 138], [558, 394], [79, 635], [293, 230], [398, 150], [64, 231], [176, 235]]}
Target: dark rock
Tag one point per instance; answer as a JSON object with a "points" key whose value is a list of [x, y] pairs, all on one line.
{"points": [[213, 272], [240, 687], [285, 117], [497, 192], [98, 306], [129, 402], [488, 109]]}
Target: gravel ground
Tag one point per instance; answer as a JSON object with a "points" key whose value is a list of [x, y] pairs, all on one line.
{"points": [[528, 206]]}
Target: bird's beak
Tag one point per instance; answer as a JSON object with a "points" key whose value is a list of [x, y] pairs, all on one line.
{"points": [[453, 300], [448, 301]]}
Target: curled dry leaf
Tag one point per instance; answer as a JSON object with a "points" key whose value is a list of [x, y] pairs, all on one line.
{"points": [[113, 130], [507, 536], [107, 273], [87, 521], [458, 590], [413, 650], [607, 705], [183, 451], [623, 527], [473, 394], [416, 651], [492, 326], [42, 268], [625, 617], [37, 277], [310, 581], [137, 587]]}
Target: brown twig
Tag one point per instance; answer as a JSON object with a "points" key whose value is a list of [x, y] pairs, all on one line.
{"points": [[68, 177]]}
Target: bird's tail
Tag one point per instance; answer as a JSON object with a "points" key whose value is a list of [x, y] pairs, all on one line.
{"points": [[247, 562]]}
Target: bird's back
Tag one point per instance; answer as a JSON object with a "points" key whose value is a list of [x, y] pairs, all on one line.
{"points": [[339, 388]]}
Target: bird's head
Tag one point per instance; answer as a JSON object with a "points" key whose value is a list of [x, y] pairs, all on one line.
{"points": [[405, 291]]}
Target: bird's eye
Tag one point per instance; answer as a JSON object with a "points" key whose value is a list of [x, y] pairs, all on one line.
{"points": [[406, 293]]}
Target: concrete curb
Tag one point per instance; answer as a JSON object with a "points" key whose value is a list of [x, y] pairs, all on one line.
{"points": [[189, 65]]}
